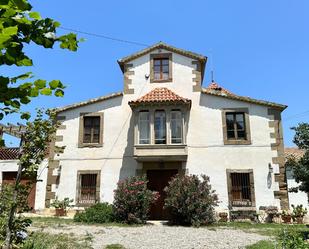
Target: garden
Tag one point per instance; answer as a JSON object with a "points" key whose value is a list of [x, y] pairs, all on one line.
{"points": [[193, 221]]}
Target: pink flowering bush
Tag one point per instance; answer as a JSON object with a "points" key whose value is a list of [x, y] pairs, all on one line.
{"points": [[132, 200], [191, 200]]}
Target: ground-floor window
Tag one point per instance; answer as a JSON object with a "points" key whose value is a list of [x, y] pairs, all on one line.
{"points": [[88, 187], [241, 188]]}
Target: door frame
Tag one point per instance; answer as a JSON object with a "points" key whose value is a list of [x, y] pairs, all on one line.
{"points": [[161, 166]]}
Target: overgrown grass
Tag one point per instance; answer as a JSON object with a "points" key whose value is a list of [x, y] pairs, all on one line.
{"points": [[43, 222], [267, 229], [39, 240], [263, 244]]}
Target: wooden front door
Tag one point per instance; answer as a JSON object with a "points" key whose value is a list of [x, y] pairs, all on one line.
{"points": [[9, 178], [157, 181]]}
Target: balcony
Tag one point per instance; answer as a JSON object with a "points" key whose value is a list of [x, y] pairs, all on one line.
{"points": [[160, 152]]}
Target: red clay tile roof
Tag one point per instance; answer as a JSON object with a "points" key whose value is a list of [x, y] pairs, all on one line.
{"points": [[160, 95], [216, 90], [9, 153], [293, 152]]}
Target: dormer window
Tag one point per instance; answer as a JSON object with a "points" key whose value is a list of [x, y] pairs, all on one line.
{"points": [[161, 67]]}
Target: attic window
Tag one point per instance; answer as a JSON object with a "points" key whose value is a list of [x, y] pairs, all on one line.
{"points": [[160, 68]]}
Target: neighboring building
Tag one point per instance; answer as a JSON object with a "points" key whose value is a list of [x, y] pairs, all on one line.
{"points": [[164, 122], [8, 173], [299, 197]]}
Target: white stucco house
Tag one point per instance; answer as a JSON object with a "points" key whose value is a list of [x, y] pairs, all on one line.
{"points": [[165, 122]]}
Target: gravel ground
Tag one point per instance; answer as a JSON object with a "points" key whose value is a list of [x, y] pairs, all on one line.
{"points": [[161, 237]]}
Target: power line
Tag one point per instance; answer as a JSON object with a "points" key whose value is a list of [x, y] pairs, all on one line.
{"points": [[298, 115], [105, 37]]}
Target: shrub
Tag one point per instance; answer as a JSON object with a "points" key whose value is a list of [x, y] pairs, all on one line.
{"points": [[98, 213], [191, 200], [20, 223], [292, 239], [132, 200]]}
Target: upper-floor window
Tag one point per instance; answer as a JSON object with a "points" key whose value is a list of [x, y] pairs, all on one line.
{"points": [[235, 123], [236, 126], [176, 126], [160, 127], [161, 67], [144, 127], [91, 129]]}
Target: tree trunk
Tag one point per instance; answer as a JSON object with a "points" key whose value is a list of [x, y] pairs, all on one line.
{"points": [[12, 211]]}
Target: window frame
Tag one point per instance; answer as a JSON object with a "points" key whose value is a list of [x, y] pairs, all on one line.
{"points": [[154, 57], [149, 126], [182, 125], [229, 172], [81, 143], [165, 126], [168, 109], [228, 141], [78, 186]]}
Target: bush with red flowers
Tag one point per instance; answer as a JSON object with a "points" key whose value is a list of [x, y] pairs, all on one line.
{"points": [[132, 200], [191, 200]]}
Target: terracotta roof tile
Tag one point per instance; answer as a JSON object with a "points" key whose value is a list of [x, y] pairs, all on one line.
{"points": [[160, 95], [293, 152], [9, 153]]}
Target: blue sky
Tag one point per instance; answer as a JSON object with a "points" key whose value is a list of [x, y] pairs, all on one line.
{"points": [[260, 48]]}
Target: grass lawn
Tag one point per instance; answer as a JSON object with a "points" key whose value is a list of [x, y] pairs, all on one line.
{"points": [[264, 229], [264, 244]]}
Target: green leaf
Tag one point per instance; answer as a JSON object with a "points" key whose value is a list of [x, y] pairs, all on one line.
{"points": [[59, 93], [10, 31], [40, 84], [54, 84], [1, 116], [46, 91], [25, 62], [35, 15], [25, 115], [34, 92]]}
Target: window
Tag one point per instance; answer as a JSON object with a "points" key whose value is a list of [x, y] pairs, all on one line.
{"points": [[236, 127], [176, 126], [88, 187], [144, 127], [161, 69], [91, 130], [241, 188], [235, 123], [160, 127]]}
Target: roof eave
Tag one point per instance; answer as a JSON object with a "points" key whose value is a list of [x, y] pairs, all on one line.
{"points": [[201, 58], [87, 102], [280, 107]]}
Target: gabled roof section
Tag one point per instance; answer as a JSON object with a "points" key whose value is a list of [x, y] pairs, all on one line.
{"points": [[162, 45], [160, 95], [88, 102], [9, 153], [216, 90]]}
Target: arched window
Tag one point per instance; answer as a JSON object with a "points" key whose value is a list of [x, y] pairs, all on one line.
{"points": [[160, 127], [144, 127], [176, 127]]}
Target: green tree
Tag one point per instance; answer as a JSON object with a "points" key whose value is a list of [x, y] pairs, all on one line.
{"points": [[301, 167], [35, 144], [19, 27]]}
